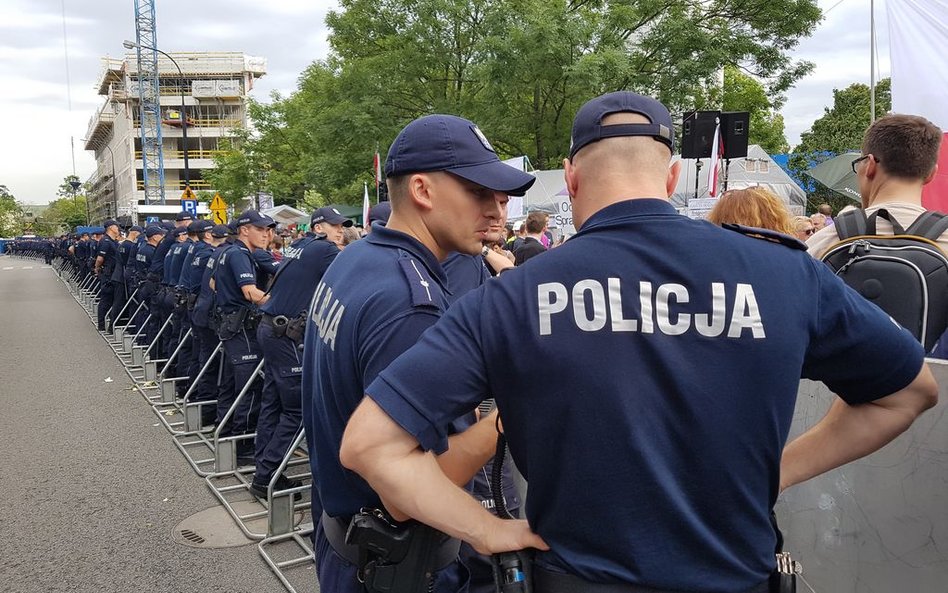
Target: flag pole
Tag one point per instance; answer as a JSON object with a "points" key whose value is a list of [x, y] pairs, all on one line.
{"points": [[377, 171], [872, 61]]}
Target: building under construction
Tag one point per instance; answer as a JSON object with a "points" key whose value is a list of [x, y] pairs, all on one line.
{"points": [[213, 88]]}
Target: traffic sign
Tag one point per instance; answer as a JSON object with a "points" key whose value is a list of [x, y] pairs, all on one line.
{"points": [[219, 209], [187, 194], [152, 220], [190, 206]]}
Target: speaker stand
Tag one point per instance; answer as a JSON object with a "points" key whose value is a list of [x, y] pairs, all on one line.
{"points": [[697, 175], [727, 168]]}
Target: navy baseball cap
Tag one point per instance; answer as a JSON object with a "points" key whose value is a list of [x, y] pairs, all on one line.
{"points": [[109, 223], [588, 128], [329, 215], [154, 229], [199, 226], [220, 231], [455, 145], [167, 225], [255, 218], [380, 211], [181, 230], [184, 215], [135, 229]]}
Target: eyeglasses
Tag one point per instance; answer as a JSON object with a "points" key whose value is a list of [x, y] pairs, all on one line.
{"points": [[860, 159], [809, 232]]}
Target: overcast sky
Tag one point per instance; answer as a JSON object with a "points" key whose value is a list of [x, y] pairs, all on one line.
{"points": [[37, 123]]}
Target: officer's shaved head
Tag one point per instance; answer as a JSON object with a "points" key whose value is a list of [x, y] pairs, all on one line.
{"points": [[628, 155]]}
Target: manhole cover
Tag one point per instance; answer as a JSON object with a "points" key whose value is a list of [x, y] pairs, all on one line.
{"points": [[211, 528]]}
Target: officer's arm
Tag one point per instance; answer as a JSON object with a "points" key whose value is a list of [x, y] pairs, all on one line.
{"points": [[413, 482], [849, 432], [98, 263], [253, 294]]}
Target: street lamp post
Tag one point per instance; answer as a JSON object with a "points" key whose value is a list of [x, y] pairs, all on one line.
{"points": [[184, 118]]}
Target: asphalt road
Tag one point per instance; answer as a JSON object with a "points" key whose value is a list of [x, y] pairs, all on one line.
{"points": [[91, 488]]}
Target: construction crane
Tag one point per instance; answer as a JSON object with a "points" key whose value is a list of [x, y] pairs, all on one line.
{"points": [[153, 165]]}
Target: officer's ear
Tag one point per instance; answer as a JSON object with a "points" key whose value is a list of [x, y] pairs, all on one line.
{"points": [[419, 188], [671, 182], [569, 174]]}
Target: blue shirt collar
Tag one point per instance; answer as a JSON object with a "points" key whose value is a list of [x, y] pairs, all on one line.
{"points": [[387, 237], [626, 209]]}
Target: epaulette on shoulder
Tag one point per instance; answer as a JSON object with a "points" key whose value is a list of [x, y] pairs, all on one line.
{"points": [[424, 290], [767, 235]]}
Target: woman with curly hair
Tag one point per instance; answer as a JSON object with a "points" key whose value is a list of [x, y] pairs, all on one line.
{"points": [[754, 207]]}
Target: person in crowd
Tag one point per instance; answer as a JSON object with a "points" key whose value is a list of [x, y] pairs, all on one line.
{"points": [[755, 207], [515, 240], [106, 260], [447, 187], [350, 235], [276, 248], [535, 226], [899, 157], [827, 211], [818, 220], [619, 499], [803, 228]]}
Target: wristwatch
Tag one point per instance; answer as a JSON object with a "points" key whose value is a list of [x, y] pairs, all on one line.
{"points": [[485, 250]]}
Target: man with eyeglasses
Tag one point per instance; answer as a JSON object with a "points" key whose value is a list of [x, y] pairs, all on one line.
{"points": [[899, 157]]}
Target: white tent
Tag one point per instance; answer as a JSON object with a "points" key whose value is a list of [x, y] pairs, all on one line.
{"points": [[757, 169]]}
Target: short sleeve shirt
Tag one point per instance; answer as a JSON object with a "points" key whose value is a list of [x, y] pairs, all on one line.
{"points": [[303, 265], [373, 302], [904, 212], [193, 270], [648, 389], [235, 270]]}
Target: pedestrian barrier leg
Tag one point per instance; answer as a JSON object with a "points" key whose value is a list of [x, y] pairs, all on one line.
{"points": [[297, 549], [190, 421], [118, 330]]}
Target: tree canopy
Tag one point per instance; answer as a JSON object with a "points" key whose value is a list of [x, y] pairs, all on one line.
{"points": [[519, 68], [11, 214]]}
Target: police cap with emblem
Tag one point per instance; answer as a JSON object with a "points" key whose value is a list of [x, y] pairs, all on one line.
{"points": [[588, 128], [135, 229], [380, 212], [220, 231], [330, 215], [181, 230], [109, 223], [255, 218], [184, 215], [199, 226], [456, 145]]}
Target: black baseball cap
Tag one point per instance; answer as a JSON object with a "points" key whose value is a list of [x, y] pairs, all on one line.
{"points": [[255, 218], [184, 215], [380, 212], [154, 229], [220, 231], [135, 229], [457, 146], [329, 215], [199, 226], [588, 128]]}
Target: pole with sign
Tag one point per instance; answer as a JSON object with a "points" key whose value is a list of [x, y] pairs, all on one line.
{"points": [[218, 209]]}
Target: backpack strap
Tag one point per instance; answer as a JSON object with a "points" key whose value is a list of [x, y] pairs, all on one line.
{"points": [[851, 223], [930, 225], [871, 222]]}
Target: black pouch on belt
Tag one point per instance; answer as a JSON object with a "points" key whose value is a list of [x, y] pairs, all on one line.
{"points": [[296, 328], [398, 558], [231, 324]]}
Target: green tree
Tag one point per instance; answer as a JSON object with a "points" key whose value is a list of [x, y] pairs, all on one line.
{"points": [[11, 214], [839, 129], [744, 93], [232, 175], [65, 213]]}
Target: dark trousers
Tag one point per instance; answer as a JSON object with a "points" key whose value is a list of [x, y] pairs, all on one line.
{"points": [[281, 413], [106, 297], [119, 298], [243, 354]]}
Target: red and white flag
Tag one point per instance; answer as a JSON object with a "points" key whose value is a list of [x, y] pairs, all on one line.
{"points": [[377, 169], [717, 148], [365, 206]]}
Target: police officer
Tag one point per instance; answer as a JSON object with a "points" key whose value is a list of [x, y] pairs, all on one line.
{"points": [[203, 323], [280, 335], [654, 454], [106, 261], [198, 233], [120, 280], [238, 298], [144, 257], [446, 187]]}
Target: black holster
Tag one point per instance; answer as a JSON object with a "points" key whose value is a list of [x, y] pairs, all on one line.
{"points": [[397, 558], [230, 324], [296, 328]]}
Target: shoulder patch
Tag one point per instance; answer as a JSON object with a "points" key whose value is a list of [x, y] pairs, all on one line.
{"points": [[767, 235], [424, 290]]}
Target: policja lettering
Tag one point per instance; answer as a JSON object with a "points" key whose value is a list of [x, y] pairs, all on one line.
{"points": [[327, 316], [594, 305]]}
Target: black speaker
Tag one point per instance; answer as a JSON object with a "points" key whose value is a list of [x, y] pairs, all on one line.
{"points": [[697, 134], [735, 126]]}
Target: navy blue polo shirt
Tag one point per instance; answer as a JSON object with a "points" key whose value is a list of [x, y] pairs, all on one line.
{"points": [[236, 269], [206, 298], [465, 273], [172, 263], [121, 258], [185, 262], [267, 266], [304, 263], [193, 269], [648, 391], [161, 250], [144, 258], [109, 255], [373, 302]]}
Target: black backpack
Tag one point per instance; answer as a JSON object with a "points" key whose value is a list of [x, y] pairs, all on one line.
{"points": [[905, 274]]}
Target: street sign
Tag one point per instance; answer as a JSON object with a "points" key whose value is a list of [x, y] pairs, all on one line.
{"points": [[219, 209], [190, 206], [152, 220], [187, 194]]}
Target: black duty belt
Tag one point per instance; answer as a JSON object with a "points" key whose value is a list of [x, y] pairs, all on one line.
{"points": [[335, 529], [547, 581]]}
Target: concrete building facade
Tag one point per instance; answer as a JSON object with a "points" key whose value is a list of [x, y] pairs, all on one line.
{"points": [[215, 86]]}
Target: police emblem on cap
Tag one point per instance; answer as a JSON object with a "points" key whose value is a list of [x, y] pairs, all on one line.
{"points": [[480, 136], [336, 211]]}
